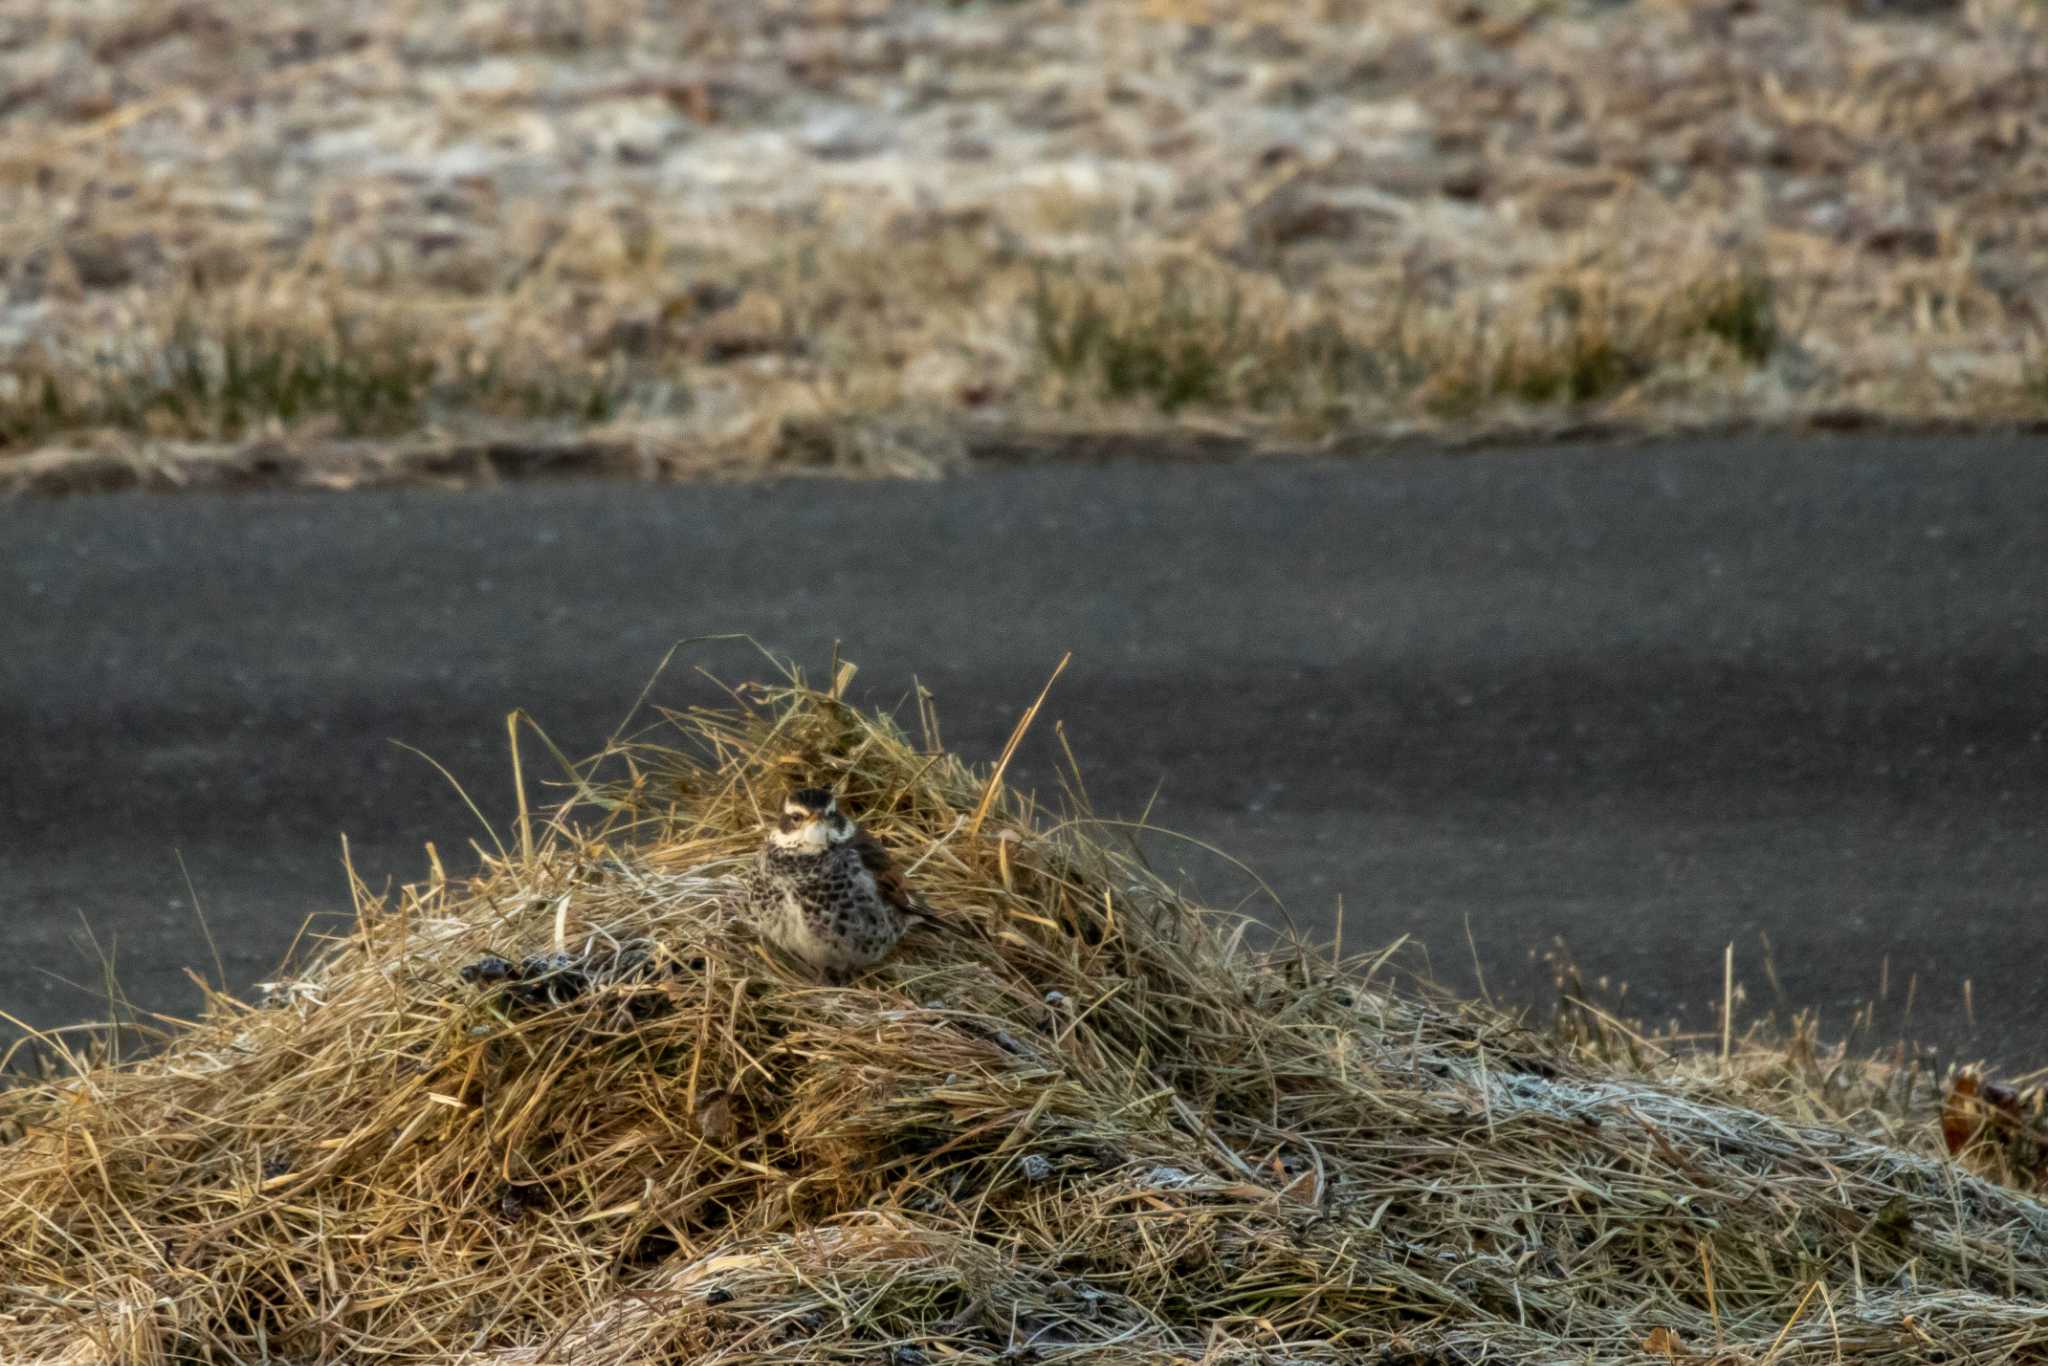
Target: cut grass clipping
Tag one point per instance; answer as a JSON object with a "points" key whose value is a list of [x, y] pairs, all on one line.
{"points": [[1085, 1122]]}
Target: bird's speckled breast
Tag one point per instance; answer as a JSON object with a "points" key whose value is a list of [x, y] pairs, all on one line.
{"points": [[825, 908]]}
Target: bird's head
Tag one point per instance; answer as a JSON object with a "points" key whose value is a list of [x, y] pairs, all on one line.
{"points": [[810, 823]]}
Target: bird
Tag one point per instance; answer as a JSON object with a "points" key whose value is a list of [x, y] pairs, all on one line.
{"points": [[822, 889]]}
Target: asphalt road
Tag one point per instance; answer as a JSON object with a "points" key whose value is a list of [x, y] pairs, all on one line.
{"points": [[1650, 702]]}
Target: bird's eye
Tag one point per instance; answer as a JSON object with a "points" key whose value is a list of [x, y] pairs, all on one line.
{"points": [[788, 822]]}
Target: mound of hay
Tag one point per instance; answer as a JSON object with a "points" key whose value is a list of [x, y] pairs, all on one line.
{"points": [[1082, 1122]]}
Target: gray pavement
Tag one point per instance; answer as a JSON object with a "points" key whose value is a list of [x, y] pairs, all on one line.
{"points": [[1650, 701]]}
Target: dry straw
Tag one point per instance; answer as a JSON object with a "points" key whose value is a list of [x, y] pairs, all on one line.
{"points": [[1084, 1122]]}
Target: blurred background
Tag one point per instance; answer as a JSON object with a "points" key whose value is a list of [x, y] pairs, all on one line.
{"points": [[1560, 481]]}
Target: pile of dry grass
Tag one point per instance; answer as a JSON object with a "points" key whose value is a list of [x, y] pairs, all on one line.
{"points": [[1085, 1122]]}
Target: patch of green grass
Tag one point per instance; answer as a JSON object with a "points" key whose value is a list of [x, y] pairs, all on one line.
{"points": [[1179, 342], [1578, 349], [1742, 311], [1178, 345], [1585, 350], [221, 382], [1581, 369], [1168, 353]]}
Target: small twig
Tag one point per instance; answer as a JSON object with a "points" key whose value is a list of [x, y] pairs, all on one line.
{"points": [[1779, 1341], [519, 788], [1727, 1000], [995, 779]]}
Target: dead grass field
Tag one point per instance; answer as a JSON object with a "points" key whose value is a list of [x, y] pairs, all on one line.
{"points": [[243, 240], [1082, 1122]]}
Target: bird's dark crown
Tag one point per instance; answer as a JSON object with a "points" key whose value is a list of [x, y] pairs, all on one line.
{"points": [[811, 799]]}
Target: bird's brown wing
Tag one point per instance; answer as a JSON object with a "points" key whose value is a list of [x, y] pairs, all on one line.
{"points": [[888, 879]]}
